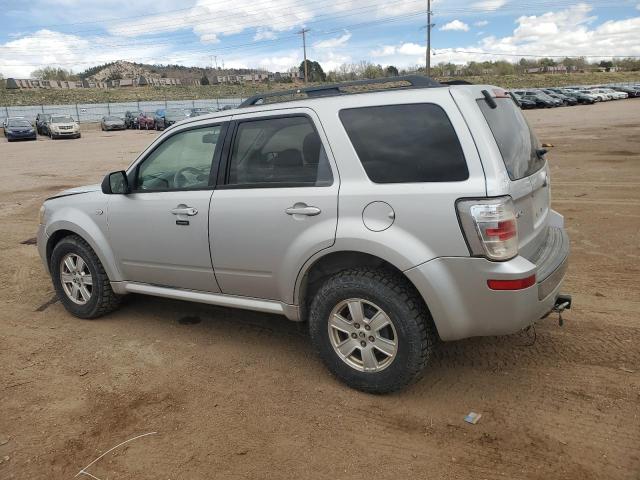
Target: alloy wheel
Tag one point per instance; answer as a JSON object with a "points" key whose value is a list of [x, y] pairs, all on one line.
{"points": [[76, 278], [362, 335]]}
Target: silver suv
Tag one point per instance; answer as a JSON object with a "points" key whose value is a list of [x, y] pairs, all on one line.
{"points": [[386, 219]]}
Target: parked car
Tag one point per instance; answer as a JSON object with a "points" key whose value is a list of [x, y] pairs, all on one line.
{"points": [[166, 118], [541, 99], [19, 129], [131, 118], [598, 97], [5, 122], [63, 126], [197, 112], [601, 94], [524, 103], [145, 121], [565, 99], [111, 122], [538, 100], [631, 91], [615, 94], [42, 123], [355, 254], [582, 98]]}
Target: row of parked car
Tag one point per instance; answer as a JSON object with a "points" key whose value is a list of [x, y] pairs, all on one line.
{"points": [[158, 120], [567, 96], [64, 126], [53, 126]]}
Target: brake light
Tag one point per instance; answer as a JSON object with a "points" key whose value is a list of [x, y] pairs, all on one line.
{"points": [[504, 231], [490, 227], [517, 284]]}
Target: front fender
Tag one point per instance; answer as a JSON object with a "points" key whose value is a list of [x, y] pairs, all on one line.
{"points": [[85, 226]]}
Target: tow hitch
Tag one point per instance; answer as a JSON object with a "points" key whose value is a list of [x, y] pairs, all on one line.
{"points": [[563, 302]]}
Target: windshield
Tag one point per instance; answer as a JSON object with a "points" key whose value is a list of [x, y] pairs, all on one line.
{"points": [[19, 123], [516, 141], [112, 119], [61, 120], [174, 113]]}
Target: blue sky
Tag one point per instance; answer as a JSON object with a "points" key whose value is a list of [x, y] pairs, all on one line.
{"points": [[262, 33]]}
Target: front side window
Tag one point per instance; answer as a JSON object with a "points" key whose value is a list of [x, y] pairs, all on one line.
{"points": [[406, 143], [285, 151], [182, 161]]}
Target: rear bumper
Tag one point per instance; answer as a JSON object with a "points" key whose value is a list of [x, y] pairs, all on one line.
{"points": [[462, 305]]}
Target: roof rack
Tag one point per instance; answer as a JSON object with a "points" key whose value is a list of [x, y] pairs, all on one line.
{"points": [[415, 81]]}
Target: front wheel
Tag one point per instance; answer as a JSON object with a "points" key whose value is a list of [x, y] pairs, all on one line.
{"points": [[80, 280], [371, 329]]}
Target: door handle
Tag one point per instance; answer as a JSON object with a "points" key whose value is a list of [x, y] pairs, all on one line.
{"points": [[183, 210], [303, 209]]}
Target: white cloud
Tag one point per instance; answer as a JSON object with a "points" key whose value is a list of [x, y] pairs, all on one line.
{"points": [[455, 25], [489, 5], [481, 23], [264, 34], [18, 58], [564, 32], [334, 42]]}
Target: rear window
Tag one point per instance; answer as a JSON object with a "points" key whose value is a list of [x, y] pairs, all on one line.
{"points": [[406, 143], [516, 141]]}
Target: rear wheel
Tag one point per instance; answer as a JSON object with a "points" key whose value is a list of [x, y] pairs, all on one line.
{"points": [[79, 279], [371, 329]]}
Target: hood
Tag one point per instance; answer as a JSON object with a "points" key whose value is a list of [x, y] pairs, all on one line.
{"points": [[114, 122], [76, 191]]}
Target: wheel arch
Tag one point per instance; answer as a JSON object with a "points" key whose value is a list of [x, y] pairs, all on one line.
{"points": [[316, 270], [92, 235]]}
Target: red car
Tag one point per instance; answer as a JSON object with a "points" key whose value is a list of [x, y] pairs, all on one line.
{"points": [[146, 121]]}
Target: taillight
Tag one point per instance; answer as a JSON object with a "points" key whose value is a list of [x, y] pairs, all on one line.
{"points": [[490, 227]]}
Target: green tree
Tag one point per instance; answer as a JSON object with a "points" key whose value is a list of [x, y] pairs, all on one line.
{"points": [[53, 73], [315, 72], [392, 71], [204, 80]]}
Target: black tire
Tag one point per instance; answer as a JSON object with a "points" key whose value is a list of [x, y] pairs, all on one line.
{"points": [[103, 300], [414, 328]]}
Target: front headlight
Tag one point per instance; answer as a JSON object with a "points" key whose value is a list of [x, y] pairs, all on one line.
{"points": [[41, 214]]}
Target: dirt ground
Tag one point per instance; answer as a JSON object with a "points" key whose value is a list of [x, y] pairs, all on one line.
{"points": [[233, 394]]}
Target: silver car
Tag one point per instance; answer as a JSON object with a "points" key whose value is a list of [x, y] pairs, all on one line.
{"points": [[387, 220]]}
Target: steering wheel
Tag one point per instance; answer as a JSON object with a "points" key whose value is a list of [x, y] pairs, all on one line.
{"points": [[178, 178]]}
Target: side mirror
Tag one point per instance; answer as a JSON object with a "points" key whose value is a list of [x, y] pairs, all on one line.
{"points": [[116, 183]]}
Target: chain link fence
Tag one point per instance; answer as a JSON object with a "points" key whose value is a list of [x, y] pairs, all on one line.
{"points": [[93, 112]]}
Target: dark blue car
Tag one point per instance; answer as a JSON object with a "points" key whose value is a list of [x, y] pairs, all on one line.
{"points": [[19, 129]]}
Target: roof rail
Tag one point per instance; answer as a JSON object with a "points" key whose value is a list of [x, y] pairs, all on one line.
{"points": [[415, 81]]}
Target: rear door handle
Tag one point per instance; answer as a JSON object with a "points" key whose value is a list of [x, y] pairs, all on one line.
{"points": [[303, 209], [183, 210]]}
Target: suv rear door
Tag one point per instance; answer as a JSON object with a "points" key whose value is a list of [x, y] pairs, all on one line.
{"points": [[526, 168], [275, 203]]}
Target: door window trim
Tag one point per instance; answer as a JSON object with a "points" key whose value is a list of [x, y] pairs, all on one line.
{"points": [[211, 184], [222, 182]]}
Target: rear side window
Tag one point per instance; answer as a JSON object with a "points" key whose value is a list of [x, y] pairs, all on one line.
{"points": [[516, 141], [278, 152], [406, 143]]}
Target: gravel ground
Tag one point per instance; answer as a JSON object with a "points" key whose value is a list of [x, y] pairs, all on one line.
{"points": [[235, 394]]}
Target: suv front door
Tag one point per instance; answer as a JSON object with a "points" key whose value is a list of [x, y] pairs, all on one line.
{"points": [[275, 204], [160, 231]]}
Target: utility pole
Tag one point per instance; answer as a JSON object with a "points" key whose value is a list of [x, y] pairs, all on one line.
{"points": [[303, 32], [428, 38]]}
